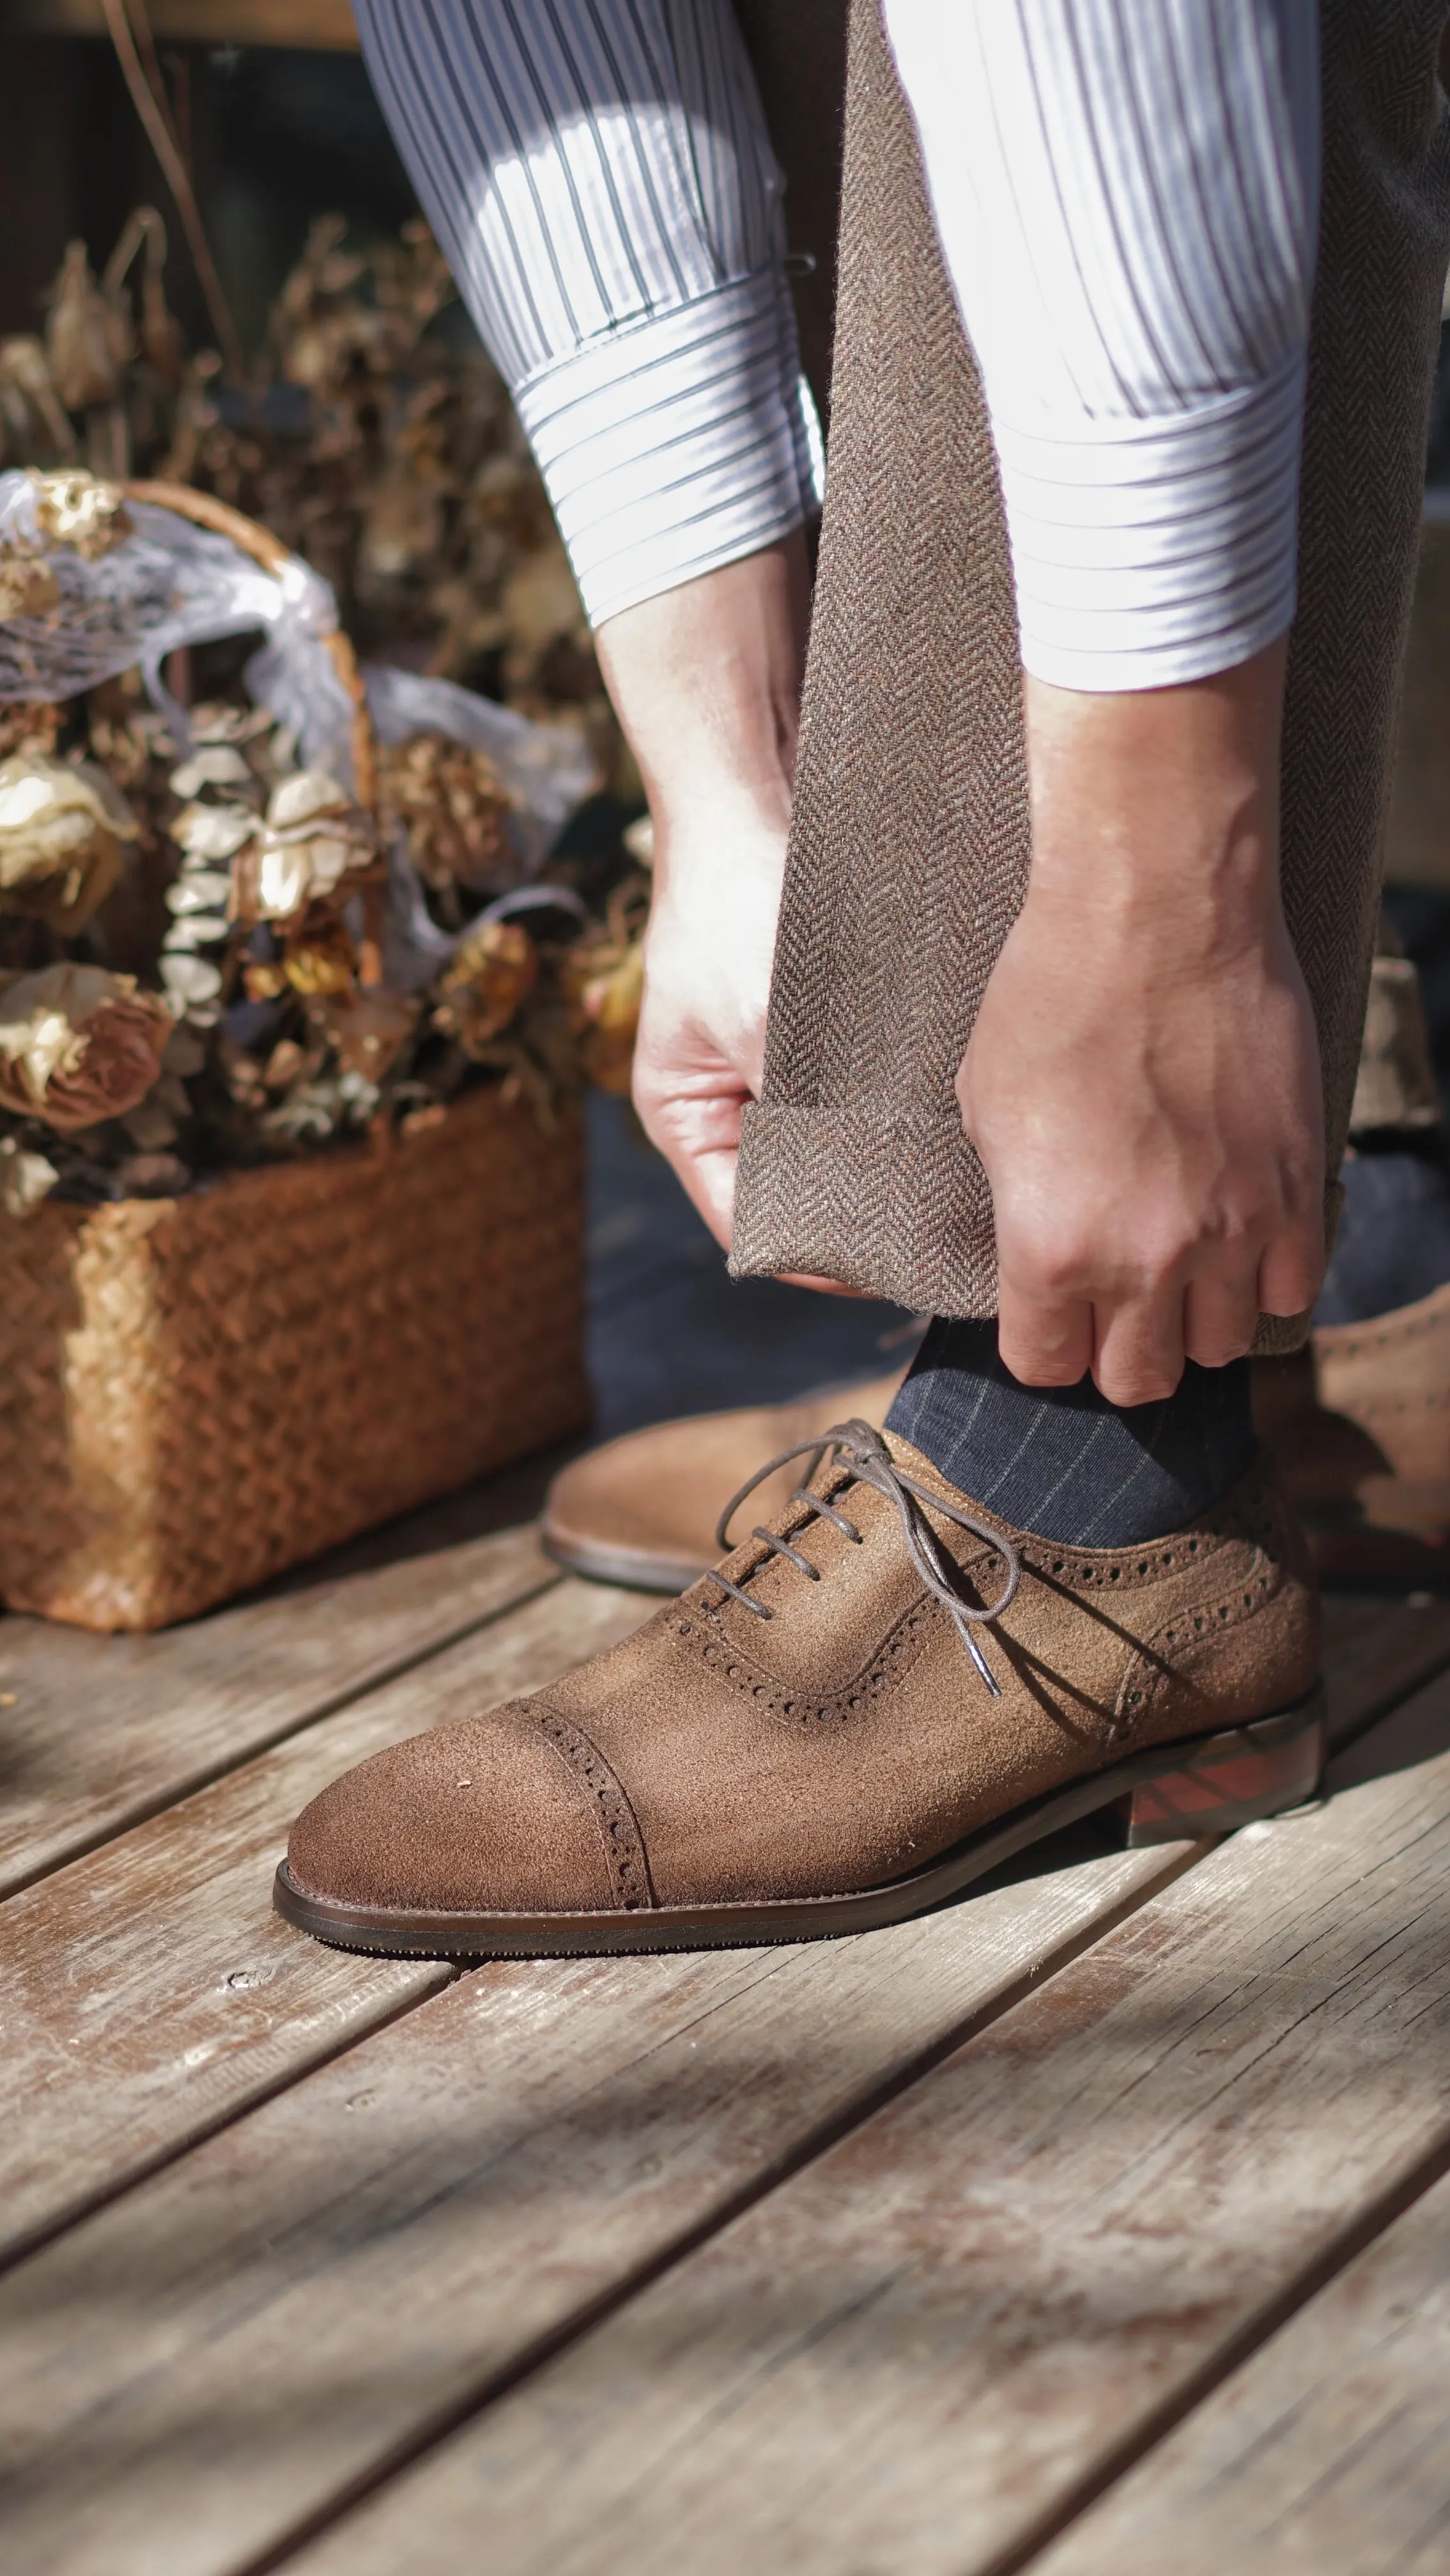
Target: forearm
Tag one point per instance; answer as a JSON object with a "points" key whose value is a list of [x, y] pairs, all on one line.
{"points": [[705, 680]]}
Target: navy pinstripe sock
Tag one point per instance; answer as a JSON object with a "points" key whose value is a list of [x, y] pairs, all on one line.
{"points": [[1062, 1461]]}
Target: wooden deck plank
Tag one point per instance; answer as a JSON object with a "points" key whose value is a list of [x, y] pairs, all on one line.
{"points": [[97, 1732], [194, 2371], [1326, 2455], [149, 1992], [922, 2351]]}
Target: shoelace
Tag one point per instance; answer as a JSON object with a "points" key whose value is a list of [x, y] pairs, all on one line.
{"points": [[871, 1463]]}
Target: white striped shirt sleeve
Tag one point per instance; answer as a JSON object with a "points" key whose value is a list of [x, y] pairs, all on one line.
{"points": [[1126, 195], [599, 176]]}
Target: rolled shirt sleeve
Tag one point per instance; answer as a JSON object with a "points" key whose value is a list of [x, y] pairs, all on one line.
{"points": [[599, 176], [1126, 196]]}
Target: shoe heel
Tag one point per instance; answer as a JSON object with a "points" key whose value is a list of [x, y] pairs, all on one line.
{"points": [[1230, 1779]]}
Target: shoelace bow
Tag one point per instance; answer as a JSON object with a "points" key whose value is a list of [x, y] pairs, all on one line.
{"points": [[871, 1463]]}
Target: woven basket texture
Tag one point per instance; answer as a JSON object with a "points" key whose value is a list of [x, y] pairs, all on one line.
{"points": [[196, 1393]]}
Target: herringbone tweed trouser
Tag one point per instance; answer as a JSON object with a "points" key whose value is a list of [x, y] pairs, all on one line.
{"points": [[909, 843]]}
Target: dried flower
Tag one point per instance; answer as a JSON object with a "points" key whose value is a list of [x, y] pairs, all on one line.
{"points": [[490, 974], [153, 1176], [78, 1045], [79, 510], [33, 727], [194, 986], [453, 808], [28, 587], [212, 764], [25, 1179], [604, 980], [319, 955], [313, 841], [369, 1030], [87, 340], [213, 831], [62, 823]]}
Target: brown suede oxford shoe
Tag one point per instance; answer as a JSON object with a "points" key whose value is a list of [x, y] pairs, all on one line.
{"points": [[641, 1510], [863, 1708]]}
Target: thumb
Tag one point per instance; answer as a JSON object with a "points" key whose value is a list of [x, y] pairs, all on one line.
{"points": [[696, 1126]]}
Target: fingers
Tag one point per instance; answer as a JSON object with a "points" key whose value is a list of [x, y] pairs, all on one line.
{"points": [[1220, 1315], [1138, 1354], [1043, 1342], [1292, 1269]]}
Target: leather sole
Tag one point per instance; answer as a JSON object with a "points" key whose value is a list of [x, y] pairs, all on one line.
{"points": [[1210, 1784], [629, 1567]]}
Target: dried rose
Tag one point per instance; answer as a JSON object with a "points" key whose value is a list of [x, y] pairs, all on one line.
{"points": [[313, 840], [79, 510], [491, 972], [78, 1045], [62, 823]]}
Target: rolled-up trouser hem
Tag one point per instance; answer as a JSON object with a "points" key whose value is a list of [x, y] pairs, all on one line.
{"points": [[924, 1210]]}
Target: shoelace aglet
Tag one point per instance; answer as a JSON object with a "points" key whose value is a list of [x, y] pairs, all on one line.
{"points": [[978, 1658]]}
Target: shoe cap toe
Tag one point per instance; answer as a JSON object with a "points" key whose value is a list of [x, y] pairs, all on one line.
{"points": [[474, 1818]]}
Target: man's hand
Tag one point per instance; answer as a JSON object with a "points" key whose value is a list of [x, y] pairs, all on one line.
{"points": [[701, 1046], [1142, 1082], [706, 683]]}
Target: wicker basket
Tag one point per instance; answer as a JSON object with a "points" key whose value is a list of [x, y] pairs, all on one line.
{"points": [[197, 1392]]}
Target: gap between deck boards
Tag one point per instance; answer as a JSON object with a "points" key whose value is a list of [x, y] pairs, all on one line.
{"points": [[164, 1715], [810, 1987], [993, 2294]]}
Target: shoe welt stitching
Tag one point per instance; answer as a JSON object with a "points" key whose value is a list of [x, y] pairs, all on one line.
{"points": [[624, 1849]]}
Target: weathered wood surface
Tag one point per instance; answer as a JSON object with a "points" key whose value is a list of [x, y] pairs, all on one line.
{"points": [[149, 1992], [1328, 2454], [194, 2371], [97, 1732], [1376, 1653], [923, 2351]]}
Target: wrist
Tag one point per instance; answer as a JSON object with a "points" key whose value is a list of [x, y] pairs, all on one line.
{"points": [[706, 680], [1155, 817]]}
